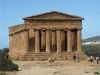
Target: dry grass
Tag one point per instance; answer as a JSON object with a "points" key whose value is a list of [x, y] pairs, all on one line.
{"points": [[56, 68]]}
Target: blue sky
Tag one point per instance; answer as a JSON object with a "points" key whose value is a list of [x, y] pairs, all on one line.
{"points": [[12, 12]]}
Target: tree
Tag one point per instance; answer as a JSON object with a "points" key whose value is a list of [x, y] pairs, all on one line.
{"points": [[91, 50]]}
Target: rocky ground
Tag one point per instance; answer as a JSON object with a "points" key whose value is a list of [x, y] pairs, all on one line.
{"points": [[56, 68]]}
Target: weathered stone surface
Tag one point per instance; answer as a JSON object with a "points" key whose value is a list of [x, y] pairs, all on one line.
{"points": [[58, 40], [49, 35]]}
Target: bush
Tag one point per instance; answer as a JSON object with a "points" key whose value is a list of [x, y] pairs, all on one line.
{"points": [[96, 73], [5, 63], [8, 65]]}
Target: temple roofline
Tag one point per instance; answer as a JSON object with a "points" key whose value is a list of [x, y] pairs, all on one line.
{"points": [[17, 28], [37, 17], [70, 19]]}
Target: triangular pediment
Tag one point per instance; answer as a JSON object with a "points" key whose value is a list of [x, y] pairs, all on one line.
{"points": [[54, 15]]}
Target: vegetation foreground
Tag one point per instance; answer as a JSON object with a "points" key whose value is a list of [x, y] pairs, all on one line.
{"points": [[56, 68], [93, 50], [5, 63], [90, 68]]}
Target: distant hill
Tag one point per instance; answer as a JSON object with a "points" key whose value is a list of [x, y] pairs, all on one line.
{"points": [[94, 39], [91, 46]]}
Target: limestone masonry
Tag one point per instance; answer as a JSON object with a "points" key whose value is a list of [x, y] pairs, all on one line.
{"points": [[50, 35]]}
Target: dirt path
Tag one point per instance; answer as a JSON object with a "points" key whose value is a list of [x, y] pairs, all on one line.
{"points": [[56, 68]]}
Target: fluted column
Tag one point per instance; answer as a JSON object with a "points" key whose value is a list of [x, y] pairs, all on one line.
{"points": [[79, 40], [43, 40], [26, 40], [17, 42], [47, 40], [13, 42], [63, 40], [10, 42], [69, 48], [37, 41], [53, 40], [58, 41]]}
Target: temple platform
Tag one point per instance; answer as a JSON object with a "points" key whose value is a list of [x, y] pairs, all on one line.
{"points": [[43, 56]]}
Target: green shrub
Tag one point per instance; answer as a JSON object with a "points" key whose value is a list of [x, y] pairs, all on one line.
{"points": [[96, 73], [8, 65]]}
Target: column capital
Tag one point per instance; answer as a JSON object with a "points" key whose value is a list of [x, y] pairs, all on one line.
{"points": [[36, 29], [79, 29], [65, 29], [58, 29], [69, 29], [47, 29], [26, 29], [53, 29], [43, 29]]}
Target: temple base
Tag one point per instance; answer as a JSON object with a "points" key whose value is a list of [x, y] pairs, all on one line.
{"points": [[42, 56]]}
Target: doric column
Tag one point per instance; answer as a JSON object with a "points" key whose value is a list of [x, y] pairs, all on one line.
{"points": [[58, 40], [17, 41], [79, 40], [37, 41], [32, 40], [10, 42], [63, 40], [20, 41], [53, 40], [69, 48], [47, 40], [43, 40], [13, 42], [26, 39]]}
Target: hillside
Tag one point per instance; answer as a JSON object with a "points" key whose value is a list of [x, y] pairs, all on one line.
{"points": [[91, 46], [92, 39]]}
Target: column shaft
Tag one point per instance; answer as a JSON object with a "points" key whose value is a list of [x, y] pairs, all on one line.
{"points": [[32, 40], [69, 48], [53, 41], [43, 40], [10, 42], [37, 41], [79, 40], [47, 41], [14, 40], [63, 40], [26, 40], [58, 41]]}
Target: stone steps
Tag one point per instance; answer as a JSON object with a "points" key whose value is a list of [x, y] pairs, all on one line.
{"points": [[53, 55]]}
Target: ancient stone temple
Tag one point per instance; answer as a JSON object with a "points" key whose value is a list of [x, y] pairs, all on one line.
{"points": [[49, 35]]}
